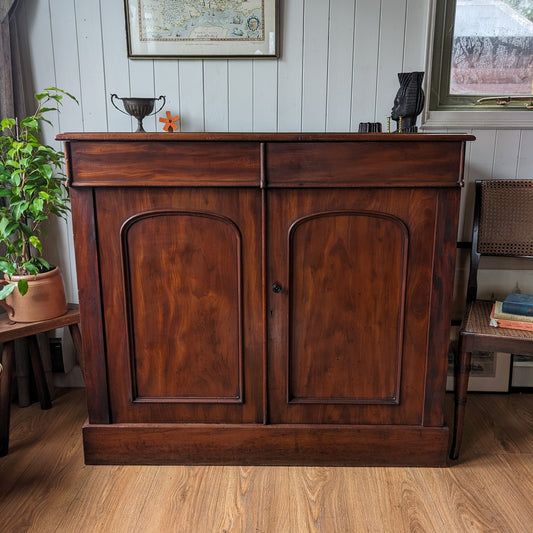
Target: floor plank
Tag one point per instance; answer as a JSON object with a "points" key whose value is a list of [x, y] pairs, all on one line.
{"points": [[45, 486]]}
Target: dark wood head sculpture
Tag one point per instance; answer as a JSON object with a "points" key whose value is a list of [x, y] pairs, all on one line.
{"points": [[409, 101]]}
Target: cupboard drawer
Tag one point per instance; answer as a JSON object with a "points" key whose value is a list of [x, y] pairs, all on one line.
{"points": [[356, 164], [165, 163]]}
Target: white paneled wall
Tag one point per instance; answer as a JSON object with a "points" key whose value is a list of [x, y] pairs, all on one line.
{"points": [[338, 67]]}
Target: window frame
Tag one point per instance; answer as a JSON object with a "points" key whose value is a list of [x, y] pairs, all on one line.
{"points": [[444, 110]]}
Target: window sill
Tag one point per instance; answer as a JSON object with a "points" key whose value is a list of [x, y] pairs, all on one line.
{"points": [[516, 119]]}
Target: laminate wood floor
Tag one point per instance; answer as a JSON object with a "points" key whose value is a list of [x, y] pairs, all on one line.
{"points": [[45, 486]]}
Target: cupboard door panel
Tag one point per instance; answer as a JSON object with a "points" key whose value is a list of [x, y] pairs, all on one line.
{"points": [[355, 269], [348, 316], [181, 290], [197, 352]]}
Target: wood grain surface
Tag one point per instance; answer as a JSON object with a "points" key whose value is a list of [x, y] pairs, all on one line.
{"points": [[45, 487], [323, 301]]}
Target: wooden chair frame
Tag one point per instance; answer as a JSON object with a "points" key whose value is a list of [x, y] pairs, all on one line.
{"points": [[476, 333]]}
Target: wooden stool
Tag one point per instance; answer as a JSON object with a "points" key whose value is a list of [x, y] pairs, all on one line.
{"points": [[9, 332]]}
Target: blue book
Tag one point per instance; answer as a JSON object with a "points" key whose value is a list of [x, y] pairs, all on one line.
{"points": [[518, 304]]}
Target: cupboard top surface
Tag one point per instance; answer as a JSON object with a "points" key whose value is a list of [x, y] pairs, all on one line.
{"points": [[263, 137]]}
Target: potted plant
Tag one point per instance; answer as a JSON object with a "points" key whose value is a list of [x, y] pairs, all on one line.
{"points": [[33, 189]]}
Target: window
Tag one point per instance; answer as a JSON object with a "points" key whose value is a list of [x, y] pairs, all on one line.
{"points": [[483, 55]]}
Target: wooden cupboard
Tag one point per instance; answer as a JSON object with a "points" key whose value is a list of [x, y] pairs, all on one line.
{"points": [[265, 298]]}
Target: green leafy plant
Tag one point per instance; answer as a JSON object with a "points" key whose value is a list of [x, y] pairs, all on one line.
{"points": [[33, 189]]}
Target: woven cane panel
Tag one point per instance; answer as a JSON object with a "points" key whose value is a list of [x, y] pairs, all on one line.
{"points": [[478, 321], [506, 224]]}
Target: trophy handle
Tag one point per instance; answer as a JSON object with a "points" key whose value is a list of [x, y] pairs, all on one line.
{"points": [[115, 105], [162, 105]]}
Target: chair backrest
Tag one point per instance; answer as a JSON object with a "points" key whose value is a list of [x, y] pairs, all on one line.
{"points": [[503, 223]]}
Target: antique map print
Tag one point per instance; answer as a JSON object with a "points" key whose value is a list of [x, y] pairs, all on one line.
{"points": [[200, 20]]}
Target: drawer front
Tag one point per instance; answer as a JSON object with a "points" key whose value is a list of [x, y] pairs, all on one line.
{"points": [[164, 163], [345, 164]]}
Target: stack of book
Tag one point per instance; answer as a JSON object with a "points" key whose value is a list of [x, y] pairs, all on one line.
{"points": [[515, 312]]}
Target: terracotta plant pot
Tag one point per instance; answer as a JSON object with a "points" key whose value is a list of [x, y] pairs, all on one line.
{"points": [[45, 298]]}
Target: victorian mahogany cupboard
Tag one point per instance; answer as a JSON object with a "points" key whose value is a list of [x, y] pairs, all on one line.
{"points": [[265, 298]]}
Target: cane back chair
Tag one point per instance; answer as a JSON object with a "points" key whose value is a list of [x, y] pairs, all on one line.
{"points": [[503, 226]]}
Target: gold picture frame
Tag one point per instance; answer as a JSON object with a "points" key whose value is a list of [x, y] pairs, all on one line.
{"points": [[201, 28]]}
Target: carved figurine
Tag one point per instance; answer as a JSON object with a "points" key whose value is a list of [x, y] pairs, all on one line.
{"points": [[171, 123], [409, 101]]}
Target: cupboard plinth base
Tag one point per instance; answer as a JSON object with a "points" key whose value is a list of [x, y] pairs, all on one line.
{"points": [[216, 444]]}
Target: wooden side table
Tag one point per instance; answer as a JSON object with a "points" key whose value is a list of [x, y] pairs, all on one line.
{"points": [[9, 332]]}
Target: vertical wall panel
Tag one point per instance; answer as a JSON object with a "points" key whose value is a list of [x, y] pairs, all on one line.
{"points": [[93, 93], [265, 96], [60, 249], [315, 64], [482, 155], [416, 35], [67, 72], [191, 80], [240, 95], [506, 154], [142, 84], [42, 64], [22, 28], [391, 42], [216, 95], [365, 62], [525, 157], [290, 66], [166, 83], [116, 64], [339, 80], [43, 74]]}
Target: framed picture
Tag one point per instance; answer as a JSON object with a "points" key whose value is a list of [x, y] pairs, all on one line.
{"points": [[201, 28], [522, 371], [490, 371]]}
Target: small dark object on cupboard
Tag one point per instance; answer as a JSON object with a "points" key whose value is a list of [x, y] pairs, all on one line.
{"points": [[409, 101]]}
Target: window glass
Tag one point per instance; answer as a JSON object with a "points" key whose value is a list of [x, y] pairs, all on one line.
{"points": [[492, 48]]}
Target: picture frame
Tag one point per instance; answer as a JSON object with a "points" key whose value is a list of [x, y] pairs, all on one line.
{"points": [[181, 29], [522, 371], [490, 371]]}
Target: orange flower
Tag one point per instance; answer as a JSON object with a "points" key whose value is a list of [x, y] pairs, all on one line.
{"points": [[170, 122]]}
